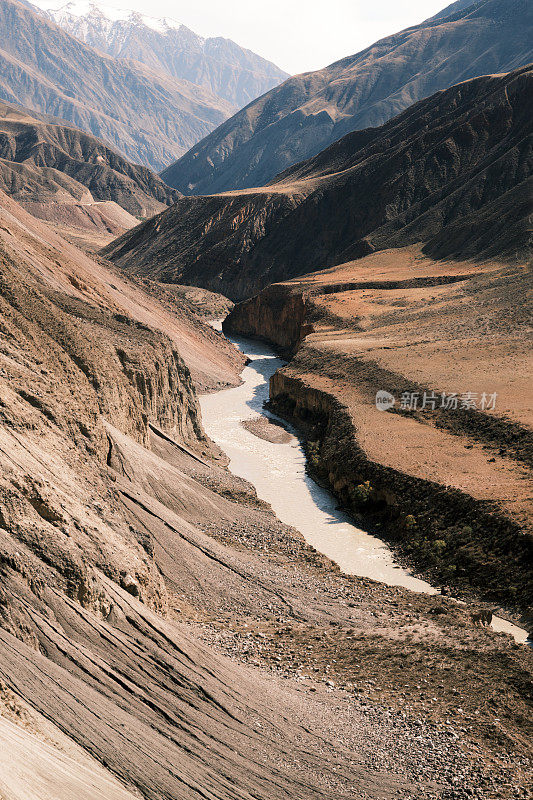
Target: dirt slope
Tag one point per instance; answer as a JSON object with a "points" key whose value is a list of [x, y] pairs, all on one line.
{"points": [[453, 171], [73, 180], [308, 112]]}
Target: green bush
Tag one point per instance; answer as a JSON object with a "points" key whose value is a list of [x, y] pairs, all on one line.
{"points": [[361, 493]]}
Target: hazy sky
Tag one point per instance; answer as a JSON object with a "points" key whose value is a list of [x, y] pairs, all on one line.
{"points": [[298, 35]]}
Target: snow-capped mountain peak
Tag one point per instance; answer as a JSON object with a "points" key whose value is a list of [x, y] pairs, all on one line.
{"points": [[166, 46], [103, 13]]}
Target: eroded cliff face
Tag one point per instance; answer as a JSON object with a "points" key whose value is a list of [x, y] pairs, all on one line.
{"points": [[278, 314], [452, 537], [69, 364]]}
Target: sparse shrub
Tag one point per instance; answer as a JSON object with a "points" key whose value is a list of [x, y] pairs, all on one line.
{"points": [[361, 493], [439, 546], [313, 455], [410, 522], [449, 571]]}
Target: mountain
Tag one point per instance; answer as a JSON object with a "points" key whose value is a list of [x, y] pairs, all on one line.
{"points": [[73, 180], [149, 117], [43, 150], [219, 65], [453, 172], [308, 112]]}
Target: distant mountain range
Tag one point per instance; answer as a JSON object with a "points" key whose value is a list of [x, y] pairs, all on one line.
{"points": [[453, 172], [298, 119], [150, 117], [219, 65]]}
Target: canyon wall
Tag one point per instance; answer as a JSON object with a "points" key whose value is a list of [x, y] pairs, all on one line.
{"points": [[277, 314]]}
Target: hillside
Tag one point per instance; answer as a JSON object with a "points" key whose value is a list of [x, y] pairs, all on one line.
{"points": [[452, 172], [151, 606], [149, 117], [74, 181], [219, 65], [309, 112]]}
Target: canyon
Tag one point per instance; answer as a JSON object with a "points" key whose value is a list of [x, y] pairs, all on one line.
{"points": [[157, 618], [265, 454], [448, 485]]}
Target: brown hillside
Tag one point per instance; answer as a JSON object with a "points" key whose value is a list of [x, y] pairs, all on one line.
{"points": [[453, 172]]}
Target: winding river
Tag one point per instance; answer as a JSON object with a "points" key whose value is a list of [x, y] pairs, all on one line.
{"points": [[277, 470]]}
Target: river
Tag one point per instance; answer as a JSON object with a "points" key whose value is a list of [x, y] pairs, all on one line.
{"points": [[277, 470]]}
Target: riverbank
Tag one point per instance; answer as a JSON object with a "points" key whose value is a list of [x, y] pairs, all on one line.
{"points": [[235, 419], [371, 660], [448, 490], [372, 649], [281, 475]]}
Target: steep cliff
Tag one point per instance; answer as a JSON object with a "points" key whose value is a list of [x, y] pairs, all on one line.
{"points": [[278, 314], [70, 358]]}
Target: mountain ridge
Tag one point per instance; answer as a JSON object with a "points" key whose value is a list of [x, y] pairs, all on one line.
{"points": [[149, 117], [459, 161], [73, 180], [229, 71], [310, 111]]}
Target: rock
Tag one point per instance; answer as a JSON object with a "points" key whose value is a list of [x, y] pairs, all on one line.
{"points": [[130, 584]]}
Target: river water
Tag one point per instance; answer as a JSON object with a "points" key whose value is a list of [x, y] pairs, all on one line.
{"points": [[277, 470]]}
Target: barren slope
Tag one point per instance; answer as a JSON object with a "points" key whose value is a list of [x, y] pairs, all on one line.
{"points": [[308, 112], [452, 171], [36, 145], [73, 180]]}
